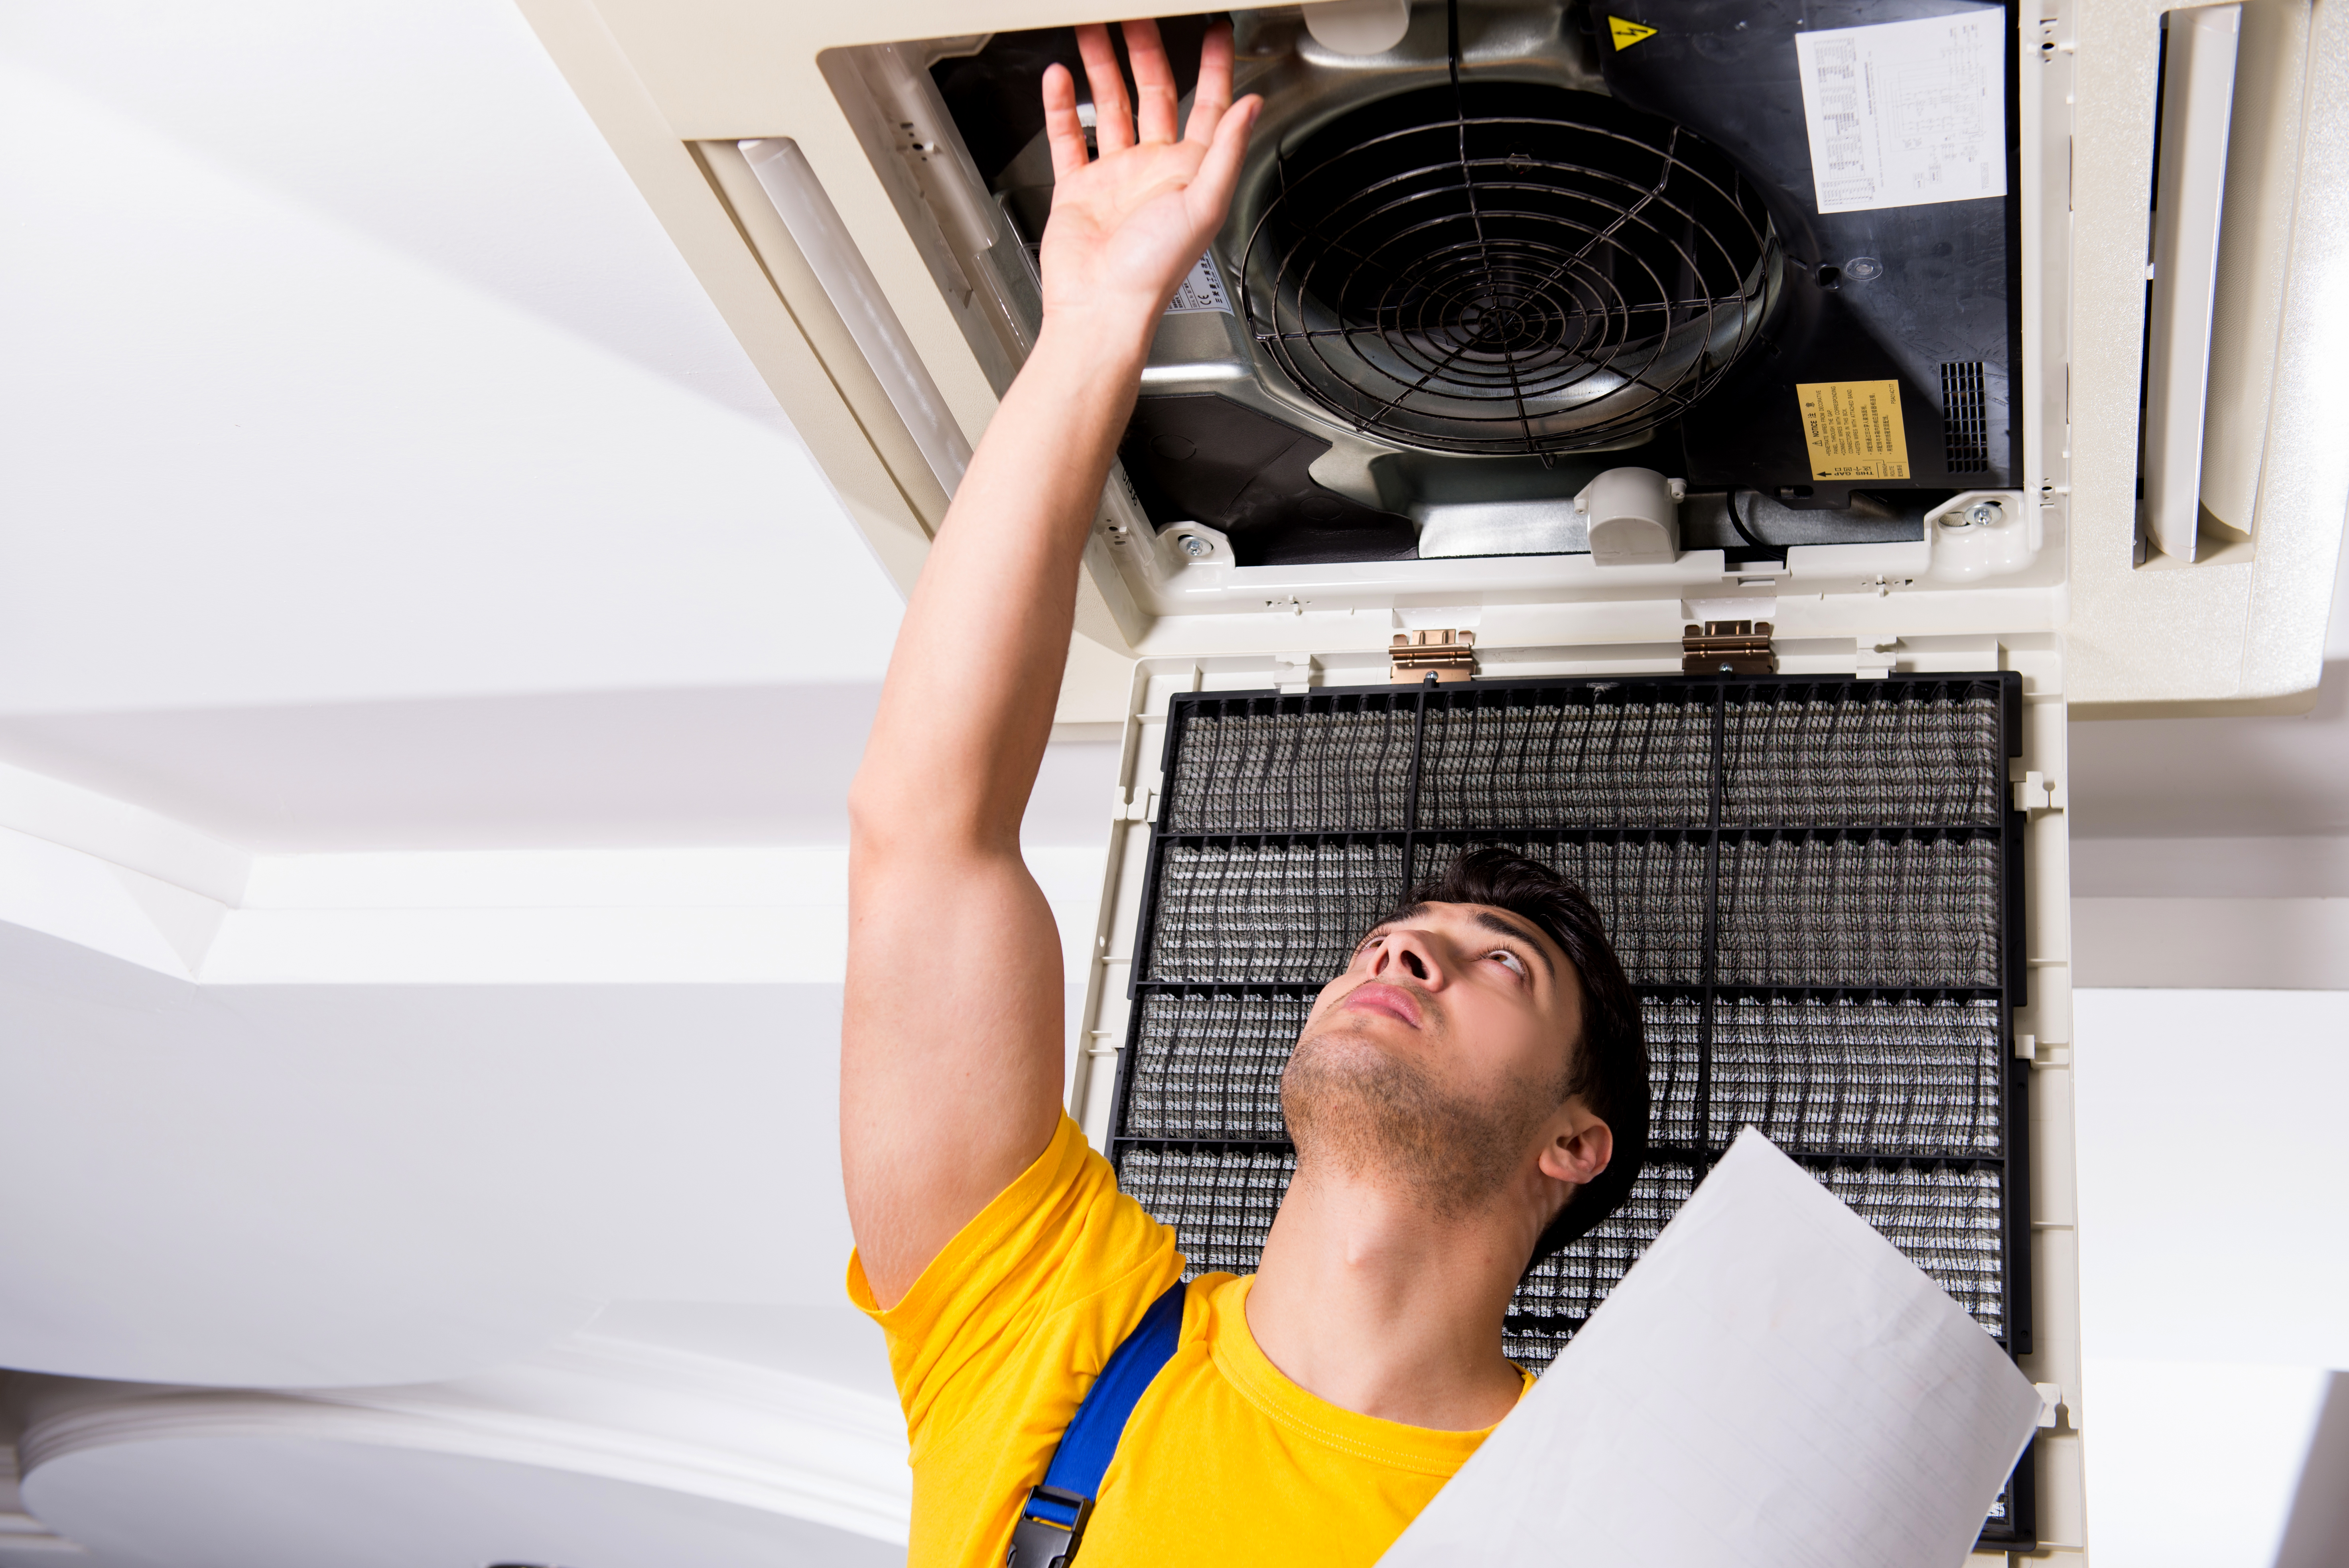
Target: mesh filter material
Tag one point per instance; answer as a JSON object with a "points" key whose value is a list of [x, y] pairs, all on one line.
{"points": [[1859, 852], [1649, 888], [1949, 1222], [1219, 1204], [1903, 1077], [1570, 1284], [1208, 1065], [1875, 911], [1341, 766], [1267, 911], [1593, 764], [1900, 1077], [1794, 758]]}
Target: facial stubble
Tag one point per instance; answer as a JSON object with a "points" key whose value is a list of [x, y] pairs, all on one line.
{"points": [[1377, 1117]]}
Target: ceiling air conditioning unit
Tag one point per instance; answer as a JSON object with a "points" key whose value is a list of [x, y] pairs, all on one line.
{"points": [[1712, 446]]}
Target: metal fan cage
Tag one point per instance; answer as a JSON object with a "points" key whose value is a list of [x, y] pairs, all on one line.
{"points": [[1814, 885], [1506, 268]]}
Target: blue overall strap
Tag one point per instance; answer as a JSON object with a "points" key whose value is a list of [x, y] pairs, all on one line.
{"points": [[1053, 1520]]}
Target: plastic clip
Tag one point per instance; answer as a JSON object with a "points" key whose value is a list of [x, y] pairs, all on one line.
{"points": [[1051, 1523]]}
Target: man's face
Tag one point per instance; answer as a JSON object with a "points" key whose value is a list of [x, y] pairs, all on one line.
{"points": [[1440, 1058]]}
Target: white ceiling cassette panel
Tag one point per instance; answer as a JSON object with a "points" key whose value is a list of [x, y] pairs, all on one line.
{"points": [[870, 246], [1767, 378]]}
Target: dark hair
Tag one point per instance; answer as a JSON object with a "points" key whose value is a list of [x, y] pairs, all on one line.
{"points": [[1609, 1069]]}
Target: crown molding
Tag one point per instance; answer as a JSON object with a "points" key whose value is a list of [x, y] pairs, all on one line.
{"points": [[651, 1416], [150, 890]]}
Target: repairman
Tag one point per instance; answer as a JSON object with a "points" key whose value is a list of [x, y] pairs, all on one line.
{"points": [[1456, 1097]]}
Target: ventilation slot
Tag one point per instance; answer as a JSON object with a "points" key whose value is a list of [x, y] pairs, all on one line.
{"points": [[1965, 418]]}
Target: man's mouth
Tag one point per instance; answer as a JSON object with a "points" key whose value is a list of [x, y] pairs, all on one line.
{"points": [[1376, 996]]}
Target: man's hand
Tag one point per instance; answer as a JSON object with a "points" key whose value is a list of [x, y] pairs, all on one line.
{"points": [[951, 1043], [1127, 225]]}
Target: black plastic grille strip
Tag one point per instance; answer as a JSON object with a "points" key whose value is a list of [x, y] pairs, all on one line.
{"points": [[1965, 418]]}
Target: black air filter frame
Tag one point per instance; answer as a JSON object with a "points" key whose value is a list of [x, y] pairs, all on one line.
{"points": [[1719, 771]]}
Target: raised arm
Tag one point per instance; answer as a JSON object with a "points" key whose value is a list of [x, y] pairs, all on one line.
{"points": [[951, 1043]]}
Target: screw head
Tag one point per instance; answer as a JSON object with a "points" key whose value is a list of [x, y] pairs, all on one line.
{"points": [[1195, 547], [1984, 513]]}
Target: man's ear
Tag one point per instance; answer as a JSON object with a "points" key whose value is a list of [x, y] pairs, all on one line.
{"points": [[1579, 1150]]}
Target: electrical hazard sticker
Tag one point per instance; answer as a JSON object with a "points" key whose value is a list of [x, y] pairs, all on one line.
{"points": [[1627, 33], [1854, 429]]}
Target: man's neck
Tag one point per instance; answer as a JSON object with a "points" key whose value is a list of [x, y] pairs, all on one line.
{"points": [[1371, 1301]]}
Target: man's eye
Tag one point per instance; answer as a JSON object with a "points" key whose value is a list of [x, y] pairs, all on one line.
{"points": [[1509, 958]]}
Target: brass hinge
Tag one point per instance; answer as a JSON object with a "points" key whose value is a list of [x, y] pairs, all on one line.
{"points": [[1728, 648], [1444, 655]]}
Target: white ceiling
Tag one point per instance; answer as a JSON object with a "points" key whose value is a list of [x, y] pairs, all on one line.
{"points": [[347, 366]]}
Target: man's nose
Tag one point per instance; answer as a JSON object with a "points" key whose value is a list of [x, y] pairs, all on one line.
{"points": [[1406, 951]]}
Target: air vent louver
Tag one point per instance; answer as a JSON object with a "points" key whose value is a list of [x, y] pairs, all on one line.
{"points": [[1965, 418]]}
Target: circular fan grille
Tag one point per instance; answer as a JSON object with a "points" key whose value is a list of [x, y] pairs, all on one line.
{"points": [[1506, 268]]}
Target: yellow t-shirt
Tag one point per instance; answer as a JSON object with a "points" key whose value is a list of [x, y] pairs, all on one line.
{"points": [[1225, 1460]]}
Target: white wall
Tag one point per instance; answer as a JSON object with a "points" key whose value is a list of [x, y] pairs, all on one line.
{"points": [[2214, 1252]]}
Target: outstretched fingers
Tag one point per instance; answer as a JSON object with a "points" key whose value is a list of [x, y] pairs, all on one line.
{"points": [[1063, 131], [1209, 196], [1213, 95], [1112, 115], [1154, 80]]}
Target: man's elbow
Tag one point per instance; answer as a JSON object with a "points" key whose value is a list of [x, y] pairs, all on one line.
{"points": [[887, 818], [883, 816]]}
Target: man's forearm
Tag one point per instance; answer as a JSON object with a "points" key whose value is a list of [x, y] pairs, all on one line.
{"points": [[967, 708], [951, 1038]]}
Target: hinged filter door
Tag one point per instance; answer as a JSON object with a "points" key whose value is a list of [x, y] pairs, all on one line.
{"points": [[1816, 885]]}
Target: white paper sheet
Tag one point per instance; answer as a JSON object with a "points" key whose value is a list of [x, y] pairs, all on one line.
{"points": [[1902, 114], [1772, 1386]]}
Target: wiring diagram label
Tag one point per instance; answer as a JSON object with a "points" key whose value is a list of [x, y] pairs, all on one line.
{"points": [[1854, 429], [1906, 114]]}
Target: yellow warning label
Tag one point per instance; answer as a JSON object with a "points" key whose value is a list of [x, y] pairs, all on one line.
{"points": [[1854, 429], [1627, 33]]}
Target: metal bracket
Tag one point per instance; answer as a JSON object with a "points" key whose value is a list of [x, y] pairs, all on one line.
{"points": [[1443, 655], [1728, 648]]}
